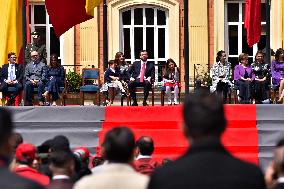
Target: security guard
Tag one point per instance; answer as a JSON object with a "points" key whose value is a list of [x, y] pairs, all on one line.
{"points": [[35, 46]]}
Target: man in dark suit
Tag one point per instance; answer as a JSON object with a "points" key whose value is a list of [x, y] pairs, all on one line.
{"points": [[11, 76], [35, 75], [274, 176], [207, 164], [62, 166], [142, 74], [10, 180]]}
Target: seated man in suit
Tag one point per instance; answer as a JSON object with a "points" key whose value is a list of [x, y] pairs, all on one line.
{"points": [[35, 75], [141, 75], [11, 76]]}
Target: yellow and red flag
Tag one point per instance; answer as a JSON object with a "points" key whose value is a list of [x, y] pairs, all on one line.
{"points": [[65, 14], [11, 35]]}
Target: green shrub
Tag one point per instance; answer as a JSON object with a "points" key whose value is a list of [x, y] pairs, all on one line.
{"points": [[74, 81]]}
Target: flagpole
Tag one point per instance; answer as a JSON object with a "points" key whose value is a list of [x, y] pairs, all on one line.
{"points": [[267, 47], [186, 47], [24, 28], [105, 39]]}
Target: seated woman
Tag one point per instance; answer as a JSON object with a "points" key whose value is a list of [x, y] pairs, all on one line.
{"points": [[123, 67], [243, 76], [171, 79], [221, 74], [277, 71], [260, 83], [55, 77], [112, 79]]}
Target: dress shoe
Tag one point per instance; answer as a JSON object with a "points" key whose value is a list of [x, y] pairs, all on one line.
{"points": [[145, 103], [134, 103], [40, 103]]}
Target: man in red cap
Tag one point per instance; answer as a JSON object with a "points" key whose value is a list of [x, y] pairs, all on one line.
{"points": [[25, 155]]}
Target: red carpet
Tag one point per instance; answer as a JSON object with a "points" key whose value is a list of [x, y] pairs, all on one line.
{"points": [[163, 124]]}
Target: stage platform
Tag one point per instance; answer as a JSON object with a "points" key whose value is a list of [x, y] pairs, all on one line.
{"points": [[252, 131]]}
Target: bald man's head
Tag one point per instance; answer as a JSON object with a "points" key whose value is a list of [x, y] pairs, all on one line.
{"points": [[145, 145]]}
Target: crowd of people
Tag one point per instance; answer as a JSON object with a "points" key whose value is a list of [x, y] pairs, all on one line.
{"points": [[251, 80], [126, 163]]}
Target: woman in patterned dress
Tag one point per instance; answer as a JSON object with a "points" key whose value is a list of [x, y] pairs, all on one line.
{"points": [[260, 83], [221, 74]]}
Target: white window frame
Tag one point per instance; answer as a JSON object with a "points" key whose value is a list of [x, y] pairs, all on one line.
{"points": [[144, 26], [47, 26], [240, 23]]}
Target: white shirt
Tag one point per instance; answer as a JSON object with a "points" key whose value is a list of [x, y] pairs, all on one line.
{"points": [[142, 156], [280, 180], [57, 177], [12, 70]]}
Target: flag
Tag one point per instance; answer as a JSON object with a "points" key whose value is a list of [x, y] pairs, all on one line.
{"points": [[11, 35], [65, 14], [90, 5], [253, 21]]}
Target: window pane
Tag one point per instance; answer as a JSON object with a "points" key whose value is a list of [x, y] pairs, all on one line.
{"points": [[54, 43], [246, 48], [150, 41], [233, 40], [30, 14], [149, 16], [126, 43], [39, 14], [233, 12], [161, 64], [161, 17], [138, 16], [161, 43], [234, 61], [263, 12], [262, 41], [126, 17], [138, 41], [42, 32]]}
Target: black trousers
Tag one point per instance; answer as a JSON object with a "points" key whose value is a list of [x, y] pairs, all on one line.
{"points": [[260, 91], [132, 88], [223, 88], [245, 88], [4, 89]]}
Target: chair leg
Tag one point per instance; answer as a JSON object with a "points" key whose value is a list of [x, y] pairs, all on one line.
{"points": [[98, 98], [153, 96], [162, 98], [82, 98]]}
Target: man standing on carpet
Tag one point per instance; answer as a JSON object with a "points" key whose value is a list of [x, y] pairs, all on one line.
{"points": [[10, 180], [144, 163], [142, 74], [206, 164]]}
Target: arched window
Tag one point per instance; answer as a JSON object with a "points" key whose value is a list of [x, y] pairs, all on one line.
{"points": [[145, 27]]}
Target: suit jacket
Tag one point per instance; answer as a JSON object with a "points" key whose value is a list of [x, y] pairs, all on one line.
{"points": [[10, 180], [279, 186], [207, 165], [35, 72], [18, 72], [60, 184], [114, 175], [134, 70]]}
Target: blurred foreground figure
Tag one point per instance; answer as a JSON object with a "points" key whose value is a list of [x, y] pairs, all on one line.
{"points": [[10, 180], [118, 149], [206, 164]]}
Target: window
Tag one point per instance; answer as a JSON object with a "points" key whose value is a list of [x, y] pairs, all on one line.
{"points": [[235, 33], [39, 21], [145, 28]]}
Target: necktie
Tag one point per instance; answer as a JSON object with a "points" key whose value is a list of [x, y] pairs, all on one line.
{"points": [[12, 73], [142, 74]]}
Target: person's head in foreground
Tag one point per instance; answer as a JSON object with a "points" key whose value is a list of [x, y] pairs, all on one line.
{"points": [[203, 116], [118, 145]]}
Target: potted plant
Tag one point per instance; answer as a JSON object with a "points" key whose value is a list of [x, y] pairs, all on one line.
{"points": [[74, 82]]}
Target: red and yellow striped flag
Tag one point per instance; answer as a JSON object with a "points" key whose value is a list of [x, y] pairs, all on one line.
{"points": [[90, 5], [11, 35]]}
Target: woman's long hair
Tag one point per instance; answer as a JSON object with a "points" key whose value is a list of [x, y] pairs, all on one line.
{"points": [[57, 64], [277, 54], [116, 59], [166, 70], [219, 54]]}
